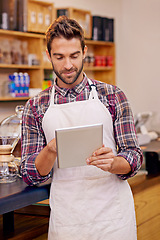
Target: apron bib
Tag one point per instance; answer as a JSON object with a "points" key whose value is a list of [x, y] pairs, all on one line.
{"points": [[86, 202]]}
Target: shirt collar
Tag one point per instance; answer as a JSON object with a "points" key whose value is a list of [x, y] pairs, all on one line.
{"points": [[77, 89]]}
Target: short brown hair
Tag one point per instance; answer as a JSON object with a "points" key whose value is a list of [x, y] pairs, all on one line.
{"points": [[64, 27]]}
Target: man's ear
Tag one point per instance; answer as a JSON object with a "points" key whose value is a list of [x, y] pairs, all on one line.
{"points": [[85, 52], [48, 55]]}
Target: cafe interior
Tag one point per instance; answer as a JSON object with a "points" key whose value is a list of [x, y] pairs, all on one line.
{"points": [[123, 49]]}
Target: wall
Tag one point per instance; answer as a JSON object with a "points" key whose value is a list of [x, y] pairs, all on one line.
{"points": [[139, 71]]}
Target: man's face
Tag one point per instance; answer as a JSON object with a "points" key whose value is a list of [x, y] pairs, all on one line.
{"points": [[67, 61]]}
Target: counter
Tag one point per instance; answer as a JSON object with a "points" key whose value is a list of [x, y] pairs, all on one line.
{"points": [[18, 195], [146, 192]]}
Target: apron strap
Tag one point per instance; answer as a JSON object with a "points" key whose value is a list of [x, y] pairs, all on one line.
{"points": [[93, 92], [52, 94]]}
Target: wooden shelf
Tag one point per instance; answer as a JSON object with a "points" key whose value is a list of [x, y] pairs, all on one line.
{"points": [[94, 68], [19, 66], [47, 67], [21, 34], [9, 99]]}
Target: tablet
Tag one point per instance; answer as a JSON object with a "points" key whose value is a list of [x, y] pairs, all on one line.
{"points": [[76, 144]]}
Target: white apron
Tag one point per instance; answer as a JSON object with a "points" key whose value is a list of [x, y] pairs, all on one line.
{"points": [[86, 202]]}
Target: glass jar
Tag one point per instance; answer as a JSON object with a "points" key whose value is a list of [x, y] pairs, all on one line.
{"points": [[10, 134], [8, 168]]}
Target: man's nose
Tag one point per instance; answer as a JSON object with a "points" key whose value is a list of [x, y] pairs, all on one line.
{"points": [[68, 63]]}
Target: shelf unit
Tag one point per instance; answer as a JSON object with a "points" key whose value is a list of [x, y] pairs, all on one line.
{"points": [[83, 17], [102, 48], [37, 45]]}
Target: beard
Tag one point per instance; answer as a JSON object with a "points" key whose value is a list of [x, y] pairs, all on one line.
{"points": [[64, 80]]}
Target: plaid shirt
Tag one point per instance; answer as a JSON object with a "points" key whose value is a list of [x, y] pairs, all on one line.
{"points": [[33, 138]]}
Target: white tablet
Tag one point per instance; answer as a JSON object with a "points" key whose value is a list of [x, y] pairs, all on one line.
{"points": [[76, 144]]}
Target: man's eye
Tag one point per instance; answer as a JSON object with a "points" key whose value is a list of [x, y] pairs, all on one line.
{"points": [[74, 56], [59, 58]]}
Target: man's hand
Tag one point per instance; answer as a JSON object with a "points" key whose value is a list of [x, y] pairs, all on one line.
{"points": [[104, 159], [46, 158]]}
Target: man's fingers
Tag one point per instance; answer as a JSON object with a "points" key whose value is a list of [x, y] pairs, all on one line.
{"points": [[102, 150]]}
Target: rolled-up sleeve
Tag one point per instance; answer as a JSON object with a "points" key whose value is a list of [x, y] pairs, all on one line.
{"points": [[32, 142], [125, 134]]}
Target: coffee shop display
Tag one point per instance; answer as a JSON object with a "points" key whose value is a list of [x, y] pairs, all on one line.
{"points": [[10, 134]]}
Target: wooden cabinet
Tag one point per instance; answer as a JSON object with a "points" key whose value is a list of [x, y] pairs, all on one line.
{"points": [[83, 17], [36, 46], [146, 192], [104, 72], [40, 14]]}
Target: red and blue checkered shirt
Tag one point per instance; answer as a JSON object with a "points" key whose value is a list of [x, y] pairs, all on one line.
{"points": [[33, 138]]}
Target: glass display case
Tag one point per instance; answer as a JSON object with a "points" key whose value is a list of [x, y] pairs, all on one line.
{"points": [[10, 134]]}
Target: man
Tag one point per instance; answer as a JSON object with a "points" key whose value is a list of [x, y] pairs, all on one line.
{"points": [[90, 202]]}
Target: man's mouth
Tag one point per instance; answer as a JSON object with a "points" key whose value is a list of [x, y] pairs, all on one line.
{"points": [[69, 73]]}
